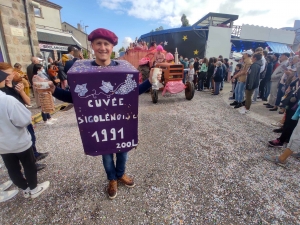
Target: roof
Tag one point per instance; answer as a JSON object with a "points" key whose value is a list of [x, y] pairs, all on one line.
{"points": [[55, 38], [74, 27], [49, 4], [167, 31], [216, 19]]}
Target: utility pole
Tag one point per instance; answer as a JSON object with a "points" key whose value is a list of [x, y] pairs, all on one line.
{"points": [[87, 47]]}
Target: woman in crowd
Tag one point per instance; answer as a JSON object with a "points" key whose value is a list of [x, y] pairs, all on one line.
{"points": [[210, 72], [17, 68], [202, 74], [15, 143], [39, 70]]}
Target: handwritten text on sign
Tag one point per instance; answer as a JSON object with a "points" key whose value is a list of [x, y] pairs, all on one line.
{"points": [[106, 107]]}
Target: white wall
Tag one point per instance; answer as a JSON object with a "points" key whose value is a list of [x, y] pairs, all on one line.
{"points": [[218, 42], [50, 17], [257, 33]]}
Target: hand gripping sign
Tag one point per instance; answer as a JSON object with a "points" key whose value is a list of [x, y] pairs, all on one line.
{"points": [[106, 105]]}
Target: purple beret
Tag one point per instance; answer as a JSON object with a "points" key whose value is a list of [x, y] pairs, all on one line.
{"points": [[105, 34]]}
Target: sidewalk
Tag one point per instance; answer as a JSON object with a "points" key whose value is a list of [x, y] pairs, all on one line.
{"points": [[258, 111]]}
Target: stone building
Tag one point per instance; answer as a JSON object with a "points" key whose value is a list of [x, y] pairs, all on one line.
{"points": [[18, 36]]}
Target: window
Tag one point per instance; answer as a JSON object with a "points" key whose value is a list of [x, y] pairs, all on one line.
{"points": [[37, 12]]}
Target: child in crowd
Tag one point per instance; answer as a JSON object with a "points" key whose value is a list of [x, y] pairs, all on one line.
{"points": [[234, 81], [39, 70], [191, 73], [15, 144]]}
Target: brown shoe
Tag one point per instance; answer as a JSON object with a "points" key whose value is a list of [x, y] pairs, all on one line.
{"points": [[127, 181], [112, 189]]}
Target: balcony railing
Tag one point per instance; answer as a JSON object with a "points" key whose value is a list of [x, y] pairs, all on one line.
{"points": [[53, 29], [236, 30]]}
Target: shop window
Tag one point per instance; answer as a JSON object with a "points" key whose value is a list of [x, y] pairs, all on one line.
{"points": [[37, 12]]}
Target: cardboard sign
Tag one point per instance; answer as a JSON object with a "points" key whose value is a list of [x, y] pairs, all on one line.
{"points": [[106, 105]]}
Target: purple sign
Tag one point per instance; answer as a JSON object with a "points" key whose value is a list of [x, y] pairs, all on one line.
{"points": [[106, 105]]}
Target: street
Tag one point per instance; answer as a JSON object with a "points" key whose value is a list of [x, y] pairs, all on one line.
{"points": [[197, 162]]}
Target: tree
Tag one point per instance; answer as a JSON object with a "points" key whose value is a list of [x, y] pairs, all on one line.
{"points": [[159, 28], [184, 21], [85, 54], [122, 49]]}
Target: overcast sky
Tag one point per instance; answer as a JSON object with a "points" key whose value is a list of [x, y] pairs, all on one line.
{"points": [[132, 18]]}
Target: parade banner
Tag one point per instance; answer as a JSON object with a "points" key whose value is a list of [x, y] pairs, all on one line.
{"points": [[106, 105]]}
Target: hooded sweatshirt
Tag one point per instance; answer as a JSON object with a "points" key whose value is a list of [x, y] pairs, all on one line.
{"points": [[14, 119], [253, 76]]}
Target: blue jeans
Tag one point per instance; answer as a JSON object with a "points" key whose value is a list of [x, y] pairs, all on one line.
{"points": [[239, 91], [33, 139], [185, 73], [46, 116], [217, 88], [267, 89], [114, 172], [280, 94]]}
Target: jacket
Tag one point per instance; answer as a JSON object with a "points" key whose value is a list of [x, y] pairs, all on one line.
{"points": [[69, 64], [244, 70], [278, 72], [203, 68], [218, 77], [253, 76], [269, 71], [14, 119], [66, 57], [184, 63]]}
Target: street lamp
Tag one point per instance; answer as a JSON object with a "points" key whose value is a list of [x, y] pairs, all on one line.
{"points": [[87, 51]]}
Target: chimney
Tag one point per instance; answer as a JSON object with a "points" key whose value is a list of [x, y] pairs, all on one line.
{"points": [[297, 24], [79, 26]]}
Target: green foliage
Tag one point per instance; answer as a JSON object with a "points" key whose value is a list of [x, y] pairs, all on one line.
{"points": [[85, 54], [159, 28], [184, 21], [112, 56], [122, 49]]}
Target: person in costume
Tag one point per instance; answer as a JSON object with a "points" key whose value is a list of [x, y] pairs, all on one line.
{"points": [[102, 42]]}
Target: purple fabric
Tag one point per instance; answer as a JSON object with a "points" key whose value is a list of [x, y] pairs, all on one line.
{"points": [[106, 105]]}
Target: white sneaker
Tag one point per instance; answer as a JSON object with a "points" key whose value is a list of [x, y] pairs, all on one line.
{"points": [[277, 124], [6, 195], [26, 193], [242, 110], [6, 185], [28, 106], [48, 123], [39, 189], [52, 119]]}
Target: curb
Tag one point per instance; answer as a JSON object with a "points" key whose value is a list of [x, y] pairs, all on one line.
{"points": [[38, 117]]}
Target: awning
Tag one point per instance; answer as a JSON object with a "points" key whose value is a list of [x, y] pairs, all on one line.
{"points": [[278, 47], [57, 39]]}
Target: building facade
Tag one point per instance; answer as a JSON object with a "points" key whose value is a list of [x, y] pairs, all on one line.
{"points": [[78, 33], [18, 35], [53, 40]]}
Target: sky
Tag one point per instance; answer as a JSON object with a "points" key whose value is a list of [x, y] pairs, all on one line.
{"points": [[129, 19]]}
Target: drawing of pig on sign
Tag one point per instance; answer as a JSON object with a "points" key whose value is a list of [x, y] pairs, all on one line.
{"points": [[106, 105]]}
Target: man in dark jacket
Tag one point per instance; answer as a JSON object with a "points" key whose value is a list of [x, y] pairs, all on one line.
{"points": [[267, 79], [252, 81], [69, 64]]}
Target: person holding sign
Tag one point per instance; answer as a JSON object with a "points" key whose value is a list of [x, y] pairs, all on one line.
{"points": [[102, 42]]}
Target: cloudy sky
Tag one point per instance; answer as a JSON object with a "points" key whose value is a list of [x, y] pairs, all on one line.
{"points": [[131, 18]]}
